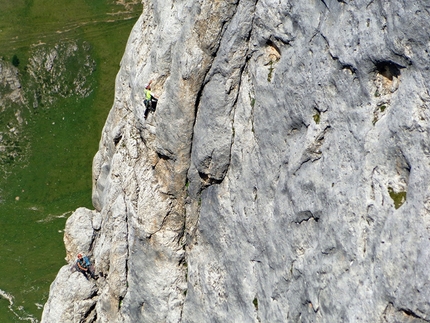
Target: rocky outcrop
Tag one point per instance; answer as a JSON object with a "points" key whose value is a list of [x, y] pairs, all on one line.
{"points": [[48, 70], [10, 133], [9, 82], [282, 178]]}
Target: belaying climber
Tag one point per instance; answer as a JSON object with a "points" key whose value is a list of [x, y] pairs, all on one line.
{"points": [[150, 100], [84, 265]]}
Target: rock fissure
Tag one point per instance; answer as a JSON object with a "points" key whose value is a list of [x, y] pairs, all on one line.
{"points": [[370, 2], [410, 313], [306, 216], [325, 4], [394, 314], [126, 269], [90, 315], [161, 227]]}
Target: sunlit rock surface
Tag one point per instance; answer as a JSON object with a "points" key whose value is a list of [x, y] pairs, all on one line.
{"points": [[284, 176]]}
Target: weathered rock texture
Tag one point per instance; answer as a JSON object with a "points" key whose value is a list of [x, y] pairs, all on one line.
{"points": [[283, 177]]}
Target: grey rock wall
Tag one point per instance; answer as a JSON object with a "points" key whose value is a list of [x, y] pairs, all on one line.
{"points": [[283, 178]]}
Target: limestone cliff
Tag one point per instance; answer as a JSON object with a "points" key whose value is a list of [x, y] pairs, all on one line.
{"points": [[284, 176]]}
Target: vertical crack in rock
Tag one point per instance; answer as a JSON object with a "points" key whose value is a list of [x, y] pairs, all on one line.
{"points": [[325, 4], [126, 269], [216, 99], [210, 153], [242, 69], [90, 315]]}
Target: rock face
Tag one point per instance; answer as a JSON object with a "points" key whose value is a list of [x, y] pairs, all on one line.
{"points": [[282, 178]]}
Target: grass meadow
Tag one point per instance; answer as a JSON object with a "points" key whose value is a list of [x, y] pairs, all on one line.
{"points": [[41, 190]]}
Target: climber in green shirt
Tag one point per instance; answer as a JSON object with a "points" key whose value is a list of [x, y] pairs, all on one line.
{"points": [[150, 100]]}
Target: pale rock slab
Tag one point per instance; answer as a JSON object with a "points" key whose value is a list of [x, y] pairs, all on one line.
{"points": [[69, 286], [78, 234]]}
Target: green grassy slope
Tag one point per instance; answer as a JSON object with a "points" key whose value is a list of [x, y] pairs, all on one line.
{"points": [[58, 138]]}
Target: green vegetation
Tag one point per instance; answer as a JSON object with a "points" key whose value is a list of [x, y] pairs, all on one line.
{"points": [[271, 68], [317, 117], [378, 113], [15, 61], [255, 302], [399, 198], [252, 100], [186, 269], [46, 167]]}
